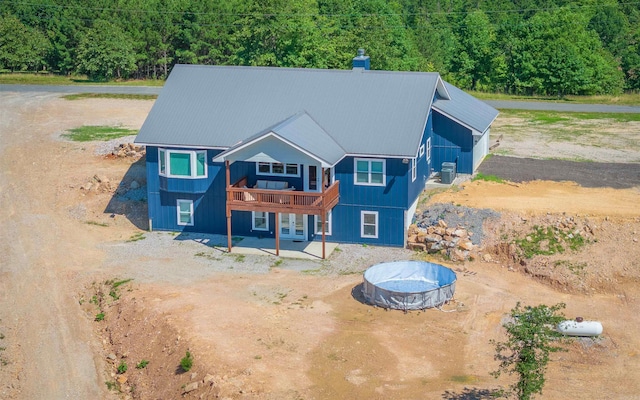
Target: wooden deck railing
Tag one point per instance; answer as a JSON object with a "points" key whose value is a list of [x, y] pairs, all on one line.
{"points": [[296, 202]]}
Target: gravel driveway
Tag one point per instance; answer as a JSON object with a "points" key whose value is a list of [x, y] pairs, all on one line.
{"points": [[586, 174]]}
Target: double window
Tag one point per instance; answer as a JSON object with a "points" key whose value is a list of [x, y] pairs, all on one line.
{"points": [[327, 224], [259, 221], [278, 169], [369, 171], [182, 163], [369, 224], [185, 212]]}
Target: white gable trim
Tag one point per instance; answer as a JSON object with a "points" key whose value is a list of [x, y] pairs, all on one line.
{"points": [[223, 156], [441, 88], [473, 130]]}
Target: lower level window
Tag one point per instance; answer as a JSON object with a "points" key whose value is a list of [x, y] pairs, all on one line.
{"points": [[369, 224], [260, 221], [327, 224], [185, 212]]}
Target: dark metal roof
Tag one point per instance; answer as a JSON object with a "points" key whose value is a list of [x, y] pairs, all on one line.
{"points": [[363, 112], [465, 108]]}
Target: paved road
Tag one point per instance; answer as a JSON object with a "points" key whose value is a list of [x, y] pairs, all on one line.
{"points": [[521, 105], [586, 174]]}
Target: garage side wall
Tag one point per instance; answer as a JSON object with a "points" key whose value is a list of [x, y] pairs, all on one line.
{"points": [[452, 142]]}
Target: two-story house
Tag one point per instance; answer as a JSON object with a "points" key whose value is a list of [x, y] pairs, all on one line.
{"points": [[304, 154]]}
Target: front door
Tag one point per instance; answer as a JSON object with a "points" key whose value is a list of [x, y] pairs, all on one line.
{"points": [[293, 226]]}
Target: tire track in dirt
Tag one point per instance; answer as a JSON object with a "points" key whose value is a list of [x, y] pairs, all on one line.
{"points": [[49, 344]]}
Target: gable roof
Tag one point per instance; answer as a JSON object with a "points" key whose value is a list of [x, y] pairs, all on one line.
{"points": [[363, 111], [299, 131], [466, 109], [344, 112]]}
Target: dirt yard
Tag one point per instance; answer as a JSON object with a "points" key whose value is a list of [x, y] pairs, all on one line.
{"points": [[261, 328]]}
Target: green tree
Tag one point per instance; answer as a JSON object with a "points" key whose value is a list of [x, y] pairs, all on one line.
{"points": [[475, 51], [106, 52], [531, 337], [21, 47]]}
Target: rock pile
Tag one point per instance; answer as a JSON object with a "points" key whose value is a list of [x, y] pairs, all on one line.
{"points": [[99, 183], [128, 150], [102, 184], [455, 243]]}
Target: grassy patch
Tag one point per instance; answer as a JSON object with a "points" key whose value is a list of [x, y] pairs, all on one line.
{"points": [[96, 223], [464, 378], [488, 178], [552, 117], [577, 269], [32, 78], [142, 364], [89, 133], [548, 241], [80, 96], [208, 256], [276, 263], [136, 236], [627, 99]]}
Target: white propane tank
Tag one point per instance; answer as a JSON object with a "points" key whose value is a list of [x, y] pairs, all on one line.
{"points": [[580, 327]]}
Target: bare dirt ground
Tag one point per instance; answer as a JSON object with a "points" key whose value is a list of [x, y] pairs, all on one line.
{"points": [[293, 329], [600, 140]]}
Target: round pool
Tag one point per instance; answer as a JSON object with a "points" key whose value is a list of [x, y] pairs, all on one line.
{"points": [[408, 285]]}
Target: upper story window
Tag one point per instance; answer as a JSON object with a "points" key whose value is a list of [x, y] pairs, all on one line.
{"points": [[182, 163], [428, 149], [369, 171], [279, 169], [414, 169], [421, 151]]}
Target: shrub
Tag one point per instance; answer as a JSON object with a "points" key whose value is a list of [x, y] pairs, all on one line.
{"points": [[122, 368], [142, 364], [187, 362], [531, 337]]}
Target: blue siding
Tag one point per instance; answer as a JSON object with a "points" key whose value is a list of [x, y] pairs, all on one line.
{"points": [[209, 196], [452, 142], [423, 168], [346, 221], [389, 201]]}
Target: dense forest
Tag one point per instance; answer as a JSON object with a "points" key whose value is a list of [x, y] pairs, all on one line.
{"points": [[544, 47]]}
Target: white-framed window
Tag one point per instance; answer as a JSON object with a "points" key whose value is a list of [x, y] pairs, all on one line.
{"points": [[327, 224], [182, 163], [421, 151], [185, 212], [369, 224], [414, 169], [428, 149], [278, 169], [259, 221], [369, 171]]}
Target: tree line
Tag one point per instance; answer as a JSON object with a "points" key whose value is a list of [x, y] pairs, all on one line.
{"points": [[543, 47]]}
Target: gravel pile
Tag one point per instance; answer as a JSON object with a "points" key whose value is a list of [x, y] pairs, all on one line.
{"points": [[471, 219]]}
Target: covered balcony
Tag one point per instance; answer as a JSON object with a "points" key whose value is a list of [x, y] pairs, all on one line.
{"points": [[241, 197], [285, 150]]}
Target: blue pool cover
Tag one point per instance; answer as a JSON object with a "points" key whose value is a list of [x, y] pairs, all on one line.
{"points": [[408, 285]]}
